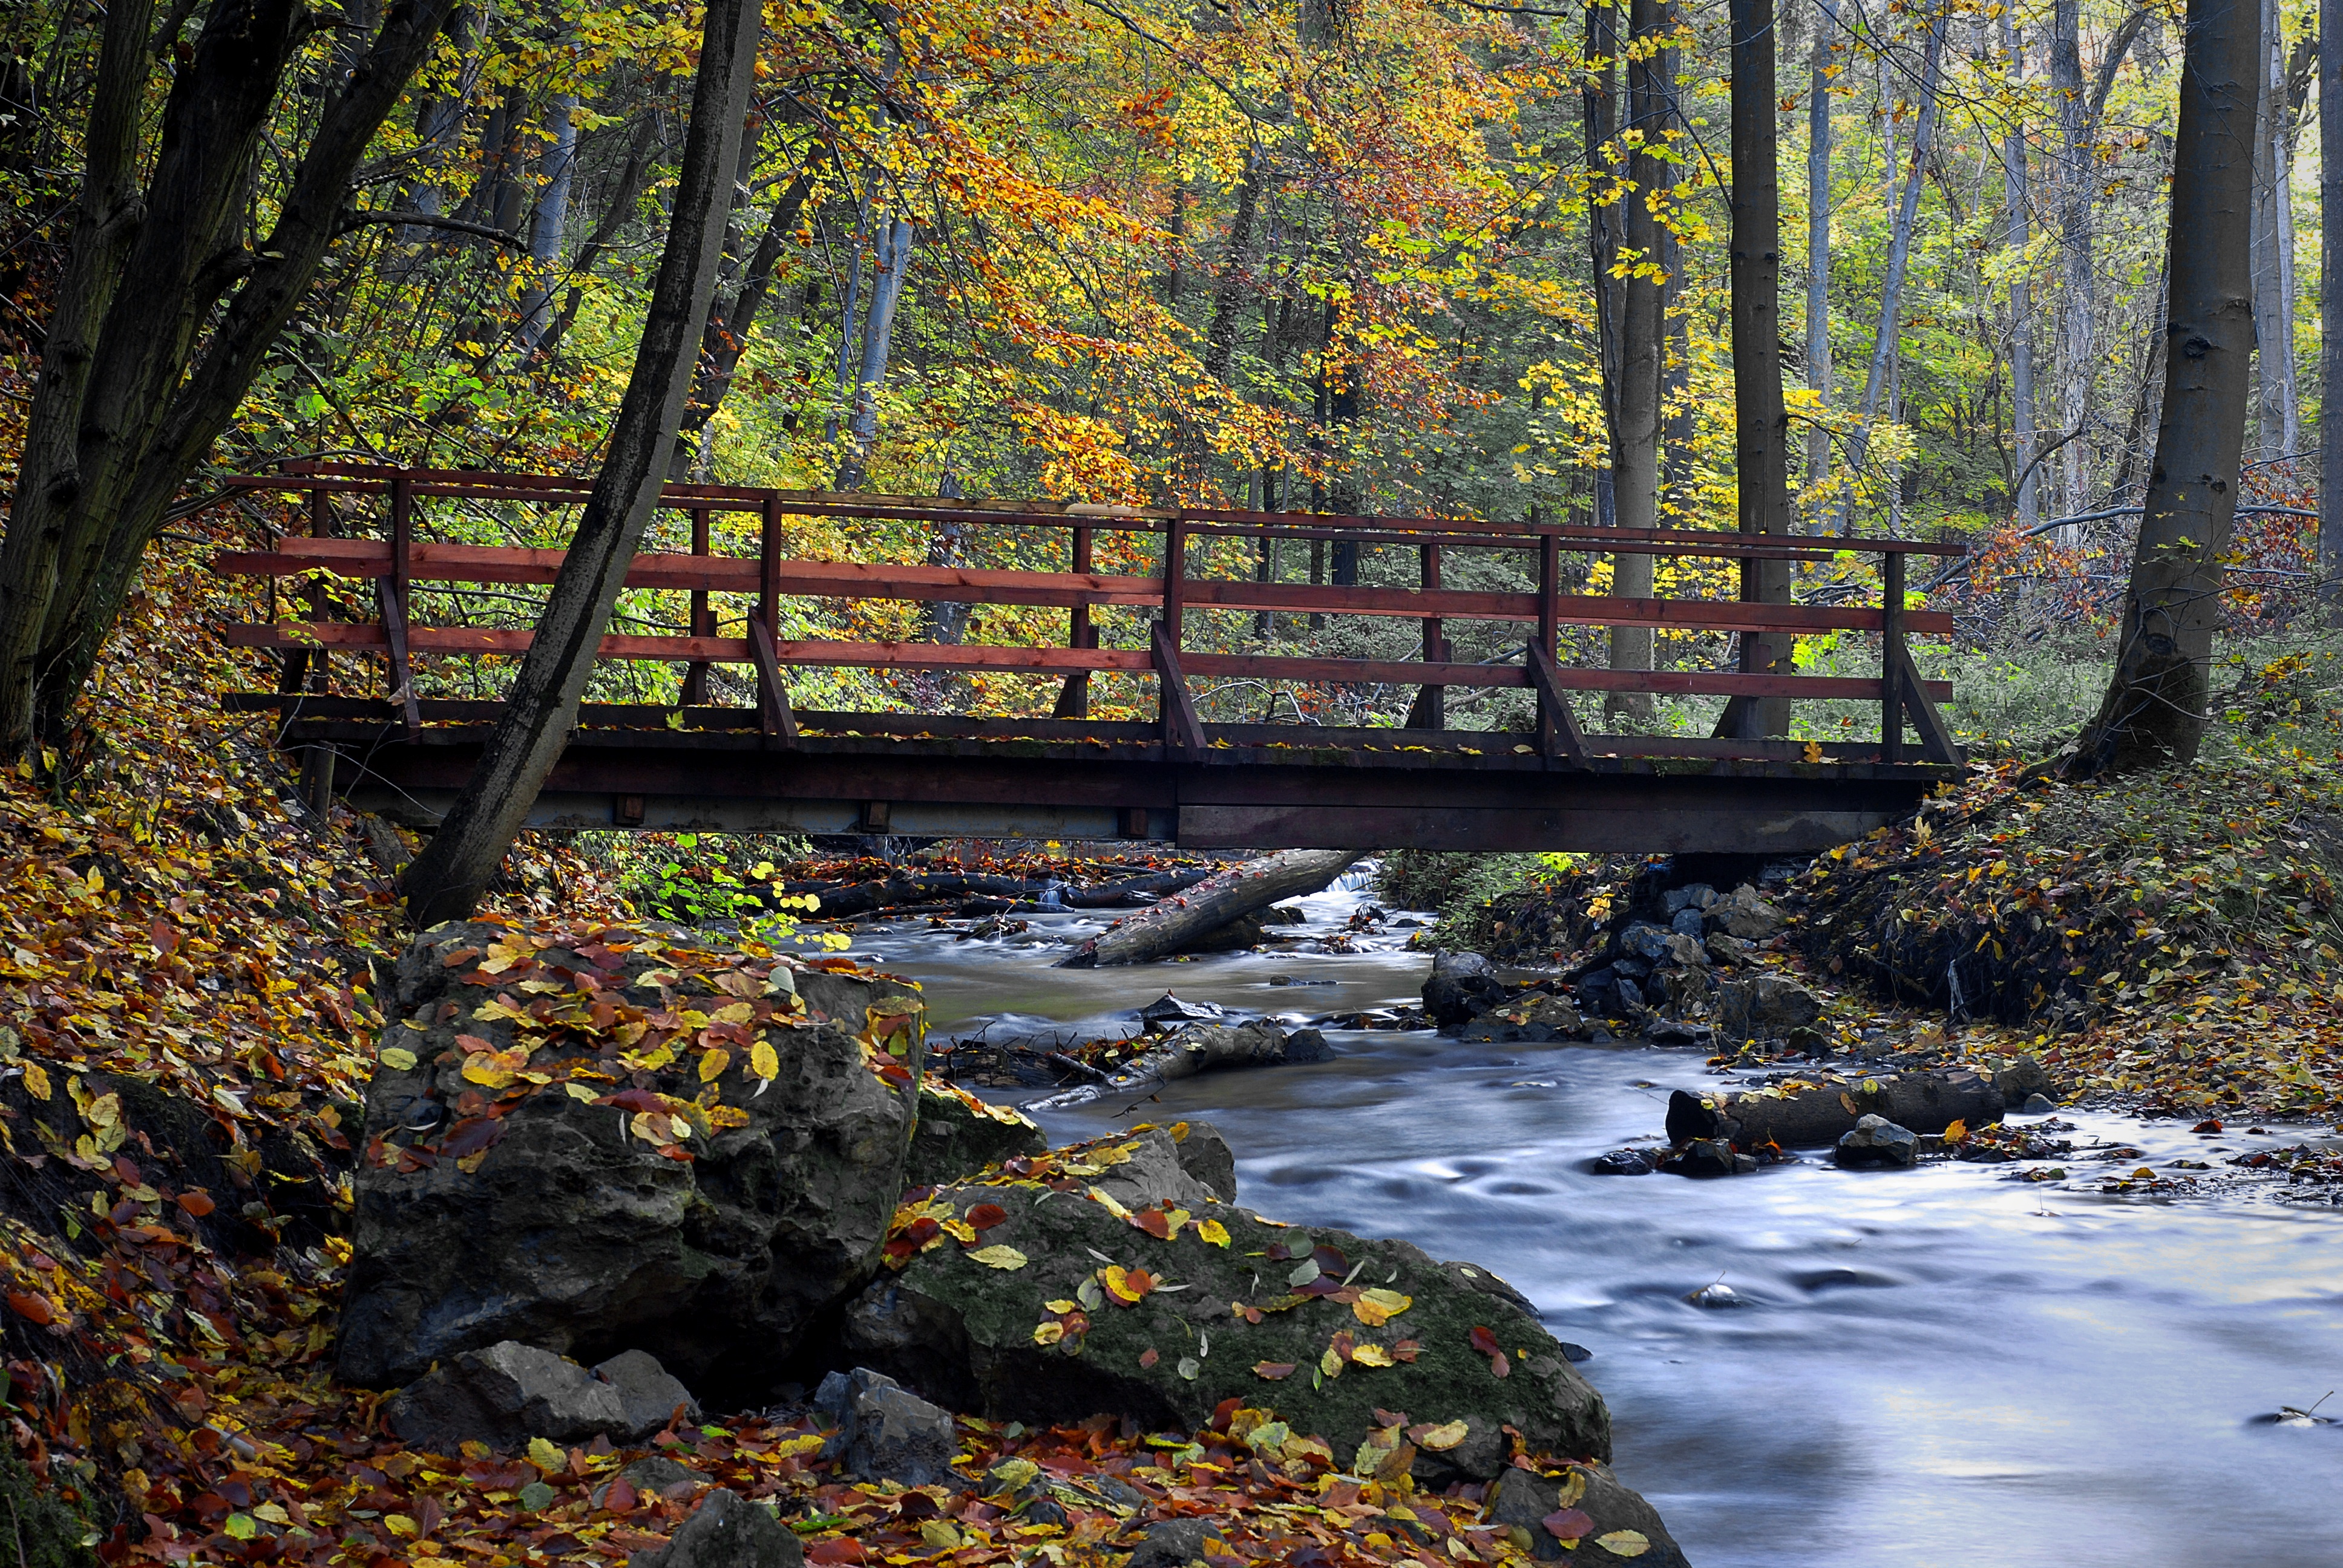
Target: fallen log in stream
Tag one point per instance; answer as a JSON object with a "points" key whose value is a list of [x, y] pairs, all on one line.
{"points": [[841, 900], [1816, 1116], [1230, 894]]}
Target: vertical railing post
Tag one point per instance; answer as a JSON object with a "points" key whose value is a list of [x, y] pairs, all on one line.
{"points": [[1074, 691], [1175, 574], [1552, 726], [1891, 665], [393, 590], [694, 675], [317, 784], [1429, 710]]}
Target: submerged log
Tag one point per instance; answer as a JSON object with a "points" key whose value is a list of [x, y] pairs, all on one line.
{"points": [[1175, 923], [1814, 1118]]}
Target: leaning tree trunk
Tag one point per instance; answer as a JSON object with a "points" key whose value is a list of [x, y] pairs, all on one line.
{"points": [[1211, 904], [1761, 424], [2155, 705], [169, 366], [1812, 1118], [1636, 436], [541, 708], [2330, 304]]}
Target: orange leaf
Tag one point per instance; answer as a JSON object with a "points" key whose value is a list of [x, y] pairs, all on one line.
{"points": [[1154, 1222], [1127, 1287], [985, 1216], [1275, 1372], [196, 1204], [32, 1308]]}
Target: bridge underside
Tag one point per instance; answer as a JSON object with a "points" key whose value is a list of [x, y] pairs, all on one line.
{"points": [[710, 769]]}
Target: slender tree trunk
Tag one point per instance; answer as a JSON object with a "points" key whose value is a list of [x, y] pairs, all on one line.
{"points": [[551, 220], [1677, 421], [1888, 338], [1221, 335], [2330, 304], [730, 322], [142, 419], [2273, 356], [892, 266], [1761, 426], [2015, 196], [2075, 190], [446, 881], [1636, 436], [2154, 707], [1600, 102], [1818, 249], [2280, 333]]}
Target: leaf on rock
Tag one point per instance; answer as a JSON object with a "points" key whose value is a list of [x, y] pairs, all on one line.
{"points": [[1212, 1231], [398, 1057], [1275, 1372], [1377, 1306], [999, 1256], [1569, 1525], [1127, 1287], [1149, 1357], [985, 1216], [1625, 1543], [764, 1061], [1439, 1439], [712, 1063]]}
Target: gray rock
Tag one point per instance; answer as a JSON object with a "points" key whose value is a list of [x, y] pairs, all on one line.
{"points": [[1205, 1155], [967, 1331], [1744, 914], [1689, 923], [2022, 1080], [1284, 915], [1725, 951], [1624, 1163], [1703, 1157], [727, 1530], [1168, 1009], [1535, 1018], [959, 1135], [1631, 997], [646, 1391], [571, 1234], [658, 1473], [1159, 1172], [1306, 1045], [1644, 940], [1460, 985], [1521, 1501], [887, 1434], [1877, 1141], [2039, 1105], [1174, 1544], [509, 1393], [1765, 1007]]}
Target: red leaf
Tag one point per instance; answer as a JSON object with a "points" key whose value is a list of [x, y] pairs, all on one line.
{"points": [[1275, 1372], [1486, 1342], [32, 1308], [166, 939], [1154, 1223], [636, 1100], [1147, 1357], [1499, 1365], [985, 1216], [836, 1549], [620, 1497], [1569, 1524], [196, 1204], [472, 1136]]}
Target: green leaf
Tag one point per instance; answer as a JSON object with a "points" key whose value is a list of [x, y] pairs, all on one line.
{"points": [[537, 1497]]}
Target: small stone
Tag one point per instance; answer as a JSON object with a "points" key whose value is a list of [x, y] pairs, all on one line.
{"points": [[1175, 1542], [647, 1392], [1703, 1157], [727, 1530], [1623, 1162], [1168, 1009], [2038, 1105], [886, 1433], [1644, 940], [1714, 1295], [1688, 923], [505, 1395], [1877, 1141]]}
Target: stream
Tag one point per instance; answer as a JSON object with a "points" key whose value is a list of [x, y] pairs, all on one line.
{"points": [[1932, 1366]]}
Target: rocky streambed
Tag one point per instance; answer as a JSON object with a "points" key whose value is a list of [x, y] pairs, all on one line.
{"points": [[2008, 1357]]}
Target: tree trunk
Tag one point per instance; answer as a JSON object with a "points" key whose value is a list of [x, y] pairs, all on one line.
{"points": [[1211, 904], [1599, 100], [541, 708], [1199, 1047], [1818, 250], [1888, 338], [2154, 707], [1635, 435], [892, 265], [2330, 304], [1221, 334], [2074, 188], [731, 321], [2015, 196], [551, 219], [140, 420], [2278, 421], [1761, 426]]}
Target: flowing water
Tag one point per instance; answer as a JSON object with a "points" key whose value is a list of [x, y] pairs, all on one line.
{"points": [[1934, 1366]]}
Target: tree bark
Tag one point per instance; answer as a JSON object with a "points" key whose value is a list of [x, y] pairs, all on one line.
{"points": [[2153, 710], [2278, 425], [731, 322], [2016, 195], [1199, 1047], [1635, 439], [2074, 234], [1818, 250], [892, 265], [2330, 305], [541, 708], [142, 420], [1887, 338], [1211, 904], [1599, 103], [551, 219], [1761, 425]]}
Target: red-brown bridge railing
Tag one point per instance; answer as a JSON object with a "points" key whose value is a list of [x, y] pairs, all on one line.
{"points": [[396, 559]]}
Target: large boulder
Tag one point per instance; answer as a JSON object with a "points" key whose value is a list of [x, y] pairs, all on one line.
{"points": [[886, 1434], [1535, 1017], [607, 1139], [727, 1530], [1104, 1277], [1581, 1515], [1460, 986]]}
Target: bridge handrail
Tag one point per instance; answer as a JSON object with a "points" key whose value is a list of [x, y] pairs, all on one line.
{"points": [[399, 560]]}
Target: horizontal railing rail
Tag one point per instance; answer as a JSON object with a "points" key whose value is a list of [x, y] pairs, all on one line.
{"points": [[746, 632]]}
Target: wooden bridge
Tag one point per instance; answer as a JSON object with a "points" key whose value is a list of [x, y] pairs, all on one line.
{"points": [[776, 767]]}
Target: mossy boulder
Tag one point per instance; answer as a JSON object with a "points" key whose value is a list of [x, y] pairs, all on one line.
{"points": [[608, 1140], [1105, 1278], [959, 1135]]}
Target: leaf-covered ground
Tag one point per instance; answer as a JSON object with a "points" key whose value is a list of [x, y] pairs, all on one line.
{"points": [[187, 1020]]}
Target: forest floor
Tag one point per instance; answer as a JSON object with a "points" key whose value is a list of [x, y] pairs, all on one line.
{"points": [[188, 972]]}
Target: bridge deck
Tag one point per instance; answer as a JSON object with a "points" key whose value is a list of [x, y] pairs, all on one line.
{"points": [[775, 768]]}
